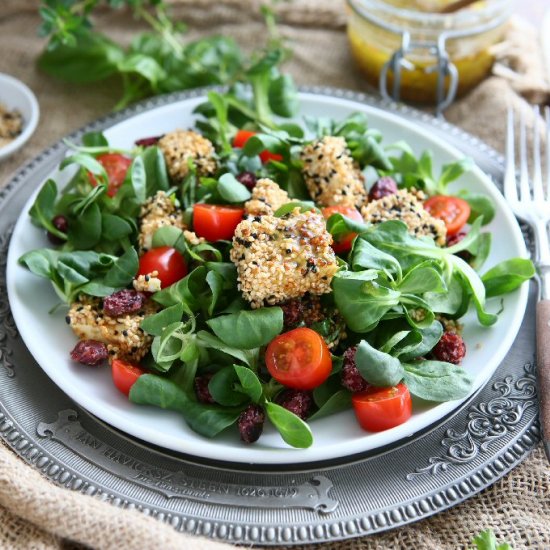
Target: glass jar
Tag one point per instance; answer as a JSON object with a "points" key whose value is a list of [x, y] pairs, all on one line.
{"points": [[421, 56]]}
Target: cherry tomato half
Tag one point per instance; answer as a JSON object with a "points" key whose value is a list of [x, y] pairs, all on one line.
{"points": [[344, 243], [169, 263], [452, 210], [242, 136], [299, 359], [215, 222], [379, 409], [116, 166], [125, 375]]}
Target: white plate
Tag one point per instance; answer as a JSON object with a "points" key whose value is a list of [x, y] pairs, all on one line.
{"points": [[50, 340], [16, 95]]}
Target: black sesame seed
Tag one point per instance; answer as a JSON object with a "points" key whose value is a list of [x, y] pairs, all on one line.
{"points": [[320, 157], [257, 218], [134, 349], [124, 333], [111, 352], [67, 319], [147, 278]]}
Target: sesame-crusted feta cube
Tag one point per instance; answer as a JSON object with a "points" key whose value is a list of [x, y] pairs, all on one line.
{"points": [[407, 206], [158, 211], [122, 335], [147, 283], [282, 258], [331, 175], [267, 198], [180, 146]]}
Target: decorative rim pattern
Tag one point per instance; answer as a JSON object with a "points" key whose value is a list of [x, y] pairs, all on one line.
{"points": [[500, 420]]}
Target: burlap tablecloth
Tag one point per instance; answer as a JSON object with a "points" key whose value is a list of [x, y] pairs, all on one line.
{"points": [[36, 514]]}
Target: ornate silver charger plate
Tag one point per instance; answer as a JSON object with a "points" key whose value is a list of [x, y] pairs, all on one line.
{"points": [[434, 470]]}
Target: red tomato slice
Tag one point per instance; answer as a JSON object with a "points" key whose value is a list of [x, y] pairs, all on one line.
{"points": [[169, 263], [344, 243], [379, 409], [452, 210], [216, 222], [116, 166], [125, 375], [299, 359], [242, 136]]}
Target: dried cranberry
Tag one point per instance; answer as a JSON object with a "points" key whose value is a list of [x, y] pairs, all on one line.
{"points": [[251, 423], [351, 378], [201, 389], [123, 302], [61, 223], [89, 352], [450, 348], [248, 179], [296, 401], [455, 239], [382, 188], [148, 142], [293, 313]]}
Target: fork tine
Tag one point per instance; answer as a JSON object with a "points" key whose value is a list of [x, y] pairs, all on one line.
{"points": [[510, 185], [547, 121], [524, 191], [538, 191]]}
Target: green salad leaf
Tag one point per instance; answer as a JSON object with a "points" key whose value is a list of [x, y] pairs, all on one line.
{"points": [[207, 420], [248, 329], [292, 428]]}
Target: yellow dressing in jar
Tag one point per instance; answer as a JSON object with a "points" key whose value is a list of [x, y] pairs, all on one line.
{"points": [[425, 57]]}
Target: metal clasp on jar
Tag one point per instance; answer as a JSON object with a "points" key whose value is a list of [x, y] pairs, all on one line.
{"points": [[443, 66]]}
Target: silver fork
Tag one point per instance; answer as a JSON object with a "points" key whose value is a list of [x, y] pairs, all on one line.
{"points": [[532, 205]]}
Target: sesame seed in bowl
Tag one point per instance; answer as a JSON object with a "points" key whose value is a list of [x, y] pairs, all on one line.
{"points": [[19, 114]]}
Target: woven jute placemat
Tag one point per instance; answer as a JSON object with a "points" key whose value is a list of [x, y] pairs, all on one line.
{"points": [[36, 514]]}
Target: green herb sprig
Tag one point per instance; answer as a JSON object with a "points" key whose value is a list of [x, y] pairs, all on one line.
{"points": [[158, 61]]}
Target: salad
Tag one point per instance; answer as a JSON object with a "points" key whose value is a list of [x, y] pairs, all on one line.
{"points": [[263, 268]]}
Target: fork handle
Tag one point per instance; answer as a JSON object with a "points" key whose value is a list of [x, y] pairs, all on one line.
{"points": [[543, 366]]}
